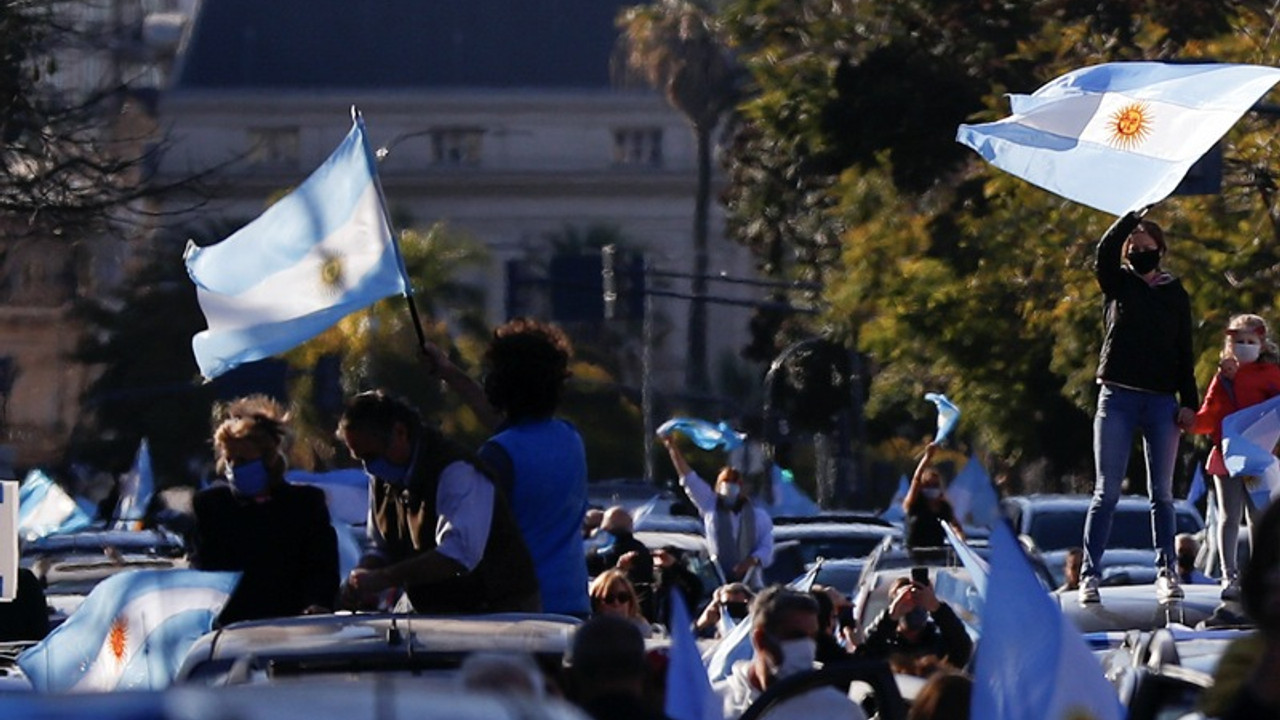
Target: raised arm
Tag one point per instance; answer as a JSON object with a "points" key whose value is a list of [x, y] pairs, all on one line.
{"points": [[471, 392], [702, 494], [914, 489], [1107, 260]]}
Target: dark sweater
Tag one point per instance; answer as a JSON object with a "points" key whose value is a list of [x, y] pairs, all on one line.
{"points": [[285, 547], [1146, 341]]}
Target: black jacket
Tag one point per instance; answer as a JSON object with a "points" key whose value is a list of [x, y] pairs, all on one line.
{"points": [[945, 637], [285, 547], [1146, 340], [407, 518]]}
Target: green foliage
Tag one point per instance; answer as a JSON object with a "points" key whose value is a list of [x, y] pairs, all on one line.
{"points": [[950, 274]]}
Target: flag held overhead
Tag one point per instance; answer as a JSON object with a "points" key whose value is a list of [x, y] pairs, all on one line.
{"points": [[1119, 136], [322, 252]]}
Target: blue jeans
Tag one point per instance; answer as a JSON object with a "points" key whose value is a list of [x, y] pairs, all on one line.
{"points": [[1120, 412]]}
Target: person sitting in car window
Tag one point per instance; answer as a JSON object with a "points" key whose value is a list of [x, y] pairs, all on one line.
{"points": [[613, 594], [619, 542], [275, 533], [784, 625], [671, 574], [729, 605], [916, 623], [926, 506], [1071, 565]]}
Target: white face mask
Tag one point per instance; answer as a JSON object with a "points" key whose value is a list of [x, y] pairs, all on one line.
{"points": [[1245, 352], [797, 656], [729, 491]]}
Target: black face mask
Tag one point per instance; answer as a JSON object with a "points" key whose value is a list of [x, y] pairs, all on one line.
{"points": [[736, 610], [1144, 261]]}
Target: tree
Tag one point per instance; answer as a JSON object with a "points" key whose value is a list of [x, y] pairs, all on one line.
{"points": [[674, 45], [950, 274]]}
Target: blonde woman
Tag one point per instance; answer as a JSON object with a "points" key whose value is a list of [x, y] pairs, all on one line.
{"points": [[613, 594], [278, 535]]}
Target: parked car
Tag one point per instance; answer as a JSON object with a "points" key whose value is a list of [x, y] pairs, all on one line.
{"points": [[1134, 607], [158, 543], [1163, 673], [797, 546], [347, 645], [1056, 522]]}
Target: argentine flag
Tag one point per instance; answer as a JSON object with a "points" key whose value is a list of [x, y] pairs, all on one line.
{"points": [[44, 508], [973, 497], [1032, 663], [1119, 136], [1248, 439], [319, 254], [131, 632], [703, 433], [948, 415], [136, 488]]}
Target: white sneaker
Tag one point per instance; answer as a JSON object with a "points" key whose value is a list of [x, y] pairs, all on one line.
{"points": [[1231, 588], [1087, 594], [1167, 587]]}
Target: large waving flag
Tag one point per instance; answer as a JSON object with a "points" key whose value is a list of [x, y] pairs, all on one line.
{"points": [[131, 632], [1032, 663], [136, 489], [319, 254], [948, 415], [1119, 136], [44, 508], [702, 433], [689, 693], [973, 497], [1248, 438]]}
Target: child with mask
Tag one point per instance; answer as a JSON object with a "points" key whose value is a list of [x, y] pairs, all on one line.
{"points": [[739, 532], [1248, 374]]}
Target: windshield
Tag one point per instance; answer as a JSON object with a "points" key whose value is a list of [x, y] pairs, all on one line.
{"points": [[1131, 528]]}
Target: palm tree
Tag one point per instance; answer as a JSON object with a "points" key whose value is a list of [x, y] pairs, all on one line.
{"points": [[673, 45]]}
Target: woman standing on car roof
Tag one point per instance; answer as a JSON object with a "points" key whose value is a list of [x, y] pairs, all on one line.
{"points": [[1147, 385]]}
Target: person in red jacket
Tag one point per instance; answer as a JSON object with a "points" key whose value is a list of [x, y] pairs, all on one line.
{"points": [[1248, 373]]}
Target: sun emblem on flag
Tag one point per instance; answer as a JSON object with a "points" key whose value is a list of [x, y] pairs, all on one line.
{"points": [[1130, 125], [332, 272], [117, 639]]}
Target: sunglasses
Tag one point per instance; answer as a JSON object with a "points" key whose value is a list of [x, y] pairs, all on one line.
{"points": [[613, 598]]}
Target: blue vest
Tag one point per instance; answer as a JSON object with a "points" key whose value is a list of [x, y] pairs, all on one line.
{"points": [[549, 497]]}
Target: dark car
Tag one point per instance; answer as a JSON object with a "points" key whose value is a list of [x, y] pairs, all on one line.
{"points": [[1056, 522]]}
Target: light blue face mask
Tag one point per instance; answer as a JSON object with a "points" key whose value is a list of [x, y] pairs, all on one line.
{"points": [[387, 471], [248, 478]]}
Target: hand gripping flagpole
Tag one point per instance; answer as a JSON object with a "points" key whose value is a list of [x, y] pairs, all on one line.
{"points": [[358, 118]]}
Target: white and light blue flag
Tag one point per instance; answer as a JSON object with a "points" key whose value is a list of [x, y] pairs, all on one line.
{"points": [[131, 632], [1197, 489], [1032, 663], [948, 415], [1119, 136], [702, 433], [346, 492], [689, 695], [788, 499], [1249, 437], [44, 508], [136, 488], [894, 512], [973, 497], [319, 254], [8, 540]]}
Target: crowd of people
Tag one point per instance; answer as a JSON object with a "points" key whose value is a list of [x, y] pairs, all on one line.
{"points": [[506, 527]]}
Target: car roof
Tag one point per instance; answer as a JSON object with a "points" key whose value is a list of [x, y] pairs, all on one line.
{"points": [[85, 540], [833, 529], [1134, 607], [1078, 501], [684, 541], [832, 516], [344, 639]]}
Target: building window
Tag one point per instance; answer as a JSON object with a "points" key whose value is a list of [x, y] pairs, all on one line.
{"points": [[274, 147], [637, 146], [456, 146]]}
